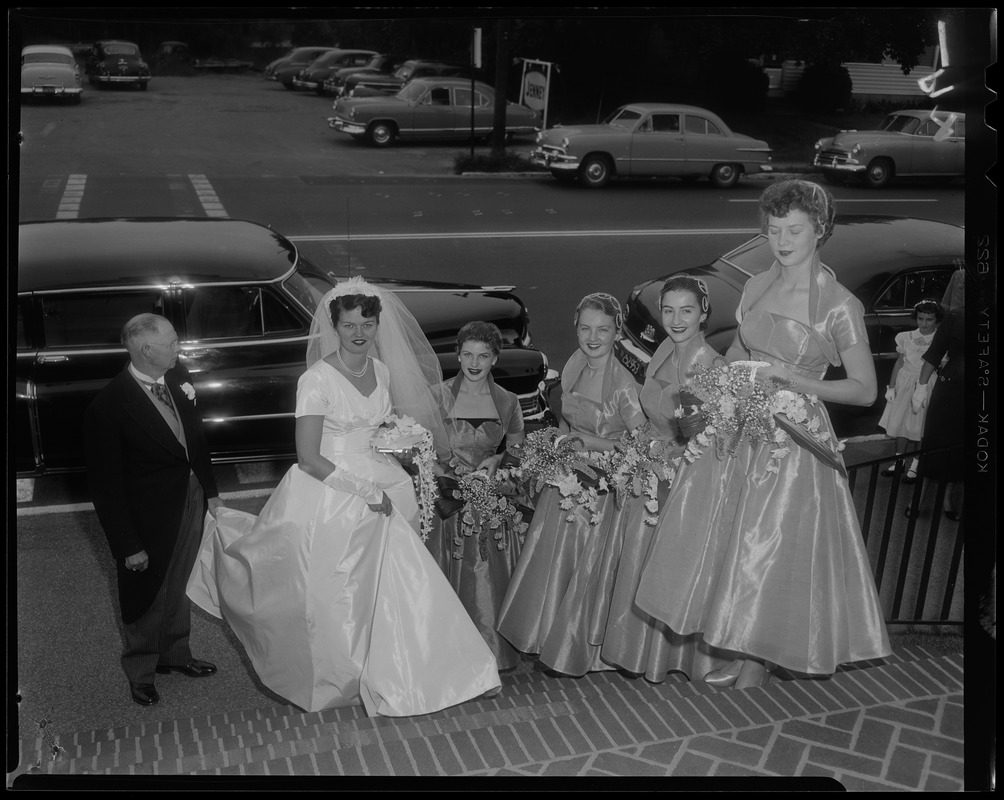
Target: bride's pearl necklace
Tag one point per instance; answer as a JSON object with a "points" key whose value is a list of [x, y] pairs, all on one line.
{"points": [[352, 372]]}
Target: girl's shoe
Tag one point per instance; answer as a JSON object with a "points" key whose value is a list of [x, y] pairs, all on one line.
{"points": [[911, 473], [889, 471]]}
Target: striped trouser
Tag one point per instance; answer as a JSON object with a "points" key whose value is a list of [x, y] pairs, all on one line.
{"points": [[160, 636]]}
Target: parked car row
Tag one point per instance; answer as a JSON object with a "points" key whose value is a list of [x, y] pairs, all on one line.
{"points": [[241, 297]]}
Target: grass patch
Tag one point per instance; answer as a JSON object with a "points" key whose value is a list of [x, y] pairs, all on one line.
{"points": [[504, 161]]}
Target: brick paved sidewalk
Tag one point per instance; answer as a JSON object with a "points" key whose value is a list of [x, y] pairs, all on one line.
{"points": [[887, 725]]}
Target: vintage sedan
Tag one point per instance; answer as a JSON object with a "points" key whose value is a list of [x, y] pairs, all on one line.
{"points": [[241, 297], [911, 143], [378, 84], [320, 69], [284, 69], [50, 71], [433, 108], [116, 63], [380, 64], [889, 263], [651, 140]]}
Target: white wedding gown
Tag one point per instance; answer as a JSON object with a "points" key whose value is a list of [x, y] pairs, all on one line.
{"points": [[337, 604]]}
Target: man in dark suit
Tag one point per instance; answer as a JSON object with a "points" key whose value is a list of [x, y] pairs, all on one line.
{"points": [[151, 482]]}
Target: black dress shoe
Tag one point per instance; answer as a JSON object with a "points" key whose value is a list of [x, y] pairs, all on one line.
{"points": [[144, 693], [193, 669]]}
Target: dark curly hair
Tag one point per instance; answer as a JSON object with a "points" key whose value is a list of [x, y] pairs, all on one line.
{"points": [[694, 285], [368, 305], [780, 199], [485, 332], [929, 306]]}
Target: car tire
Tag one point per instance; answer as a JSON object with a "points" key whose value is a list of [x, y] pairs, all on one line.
{"points": [[380, 134], [595, 171], [879, 172], [725, 176]]}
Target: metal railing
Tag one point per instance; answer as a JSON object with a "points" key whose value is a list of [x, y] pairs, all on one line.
{"points": [[915, 550]]}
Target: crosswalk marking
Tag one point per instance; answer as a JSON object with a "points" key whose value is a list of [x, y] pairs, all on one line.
{"points": [[69, 204], [207, 196]]}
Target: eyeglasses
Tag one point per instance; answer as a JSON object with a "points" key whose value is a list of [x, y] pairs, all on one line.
{"points": [[175, 345]]}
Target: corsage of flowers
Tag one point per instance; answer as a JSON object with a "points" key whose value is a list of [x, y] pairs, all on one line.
{"points": [[549, 457], [737, 405], [406, 439], [490, 508], [636, 465], [189, 391]]}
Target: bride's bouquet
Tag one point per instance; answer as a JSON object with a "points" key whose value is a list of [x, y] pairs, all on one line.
{"points": [[550, 458], [412, 444], [736, 405]]}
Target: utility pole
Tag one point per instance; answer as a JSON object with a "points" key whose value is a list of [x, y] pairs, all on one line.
{"points": [[501, 83]]}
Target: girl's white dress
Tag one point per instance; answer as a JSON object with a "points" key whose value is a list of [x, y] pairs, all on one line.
{"points": [[899, 418], [335, 603]]}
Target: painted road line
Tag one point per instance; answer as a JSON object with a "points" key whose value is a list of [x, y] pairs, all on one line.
{"points": [[385, 237], [69, 204], [207, 196], [25, 489]]}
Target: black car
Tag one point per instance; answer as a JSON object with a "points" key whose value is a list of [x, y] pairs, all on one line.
{"points": [[314, 74], [284, 69], [364, 84], [889, 263], [116, 63], [241, 298], [381, 63]]}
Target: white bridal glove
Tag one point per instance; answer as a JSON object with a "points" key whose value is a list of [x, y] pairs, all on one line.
{"points": [[919, 399], [890, 394]]}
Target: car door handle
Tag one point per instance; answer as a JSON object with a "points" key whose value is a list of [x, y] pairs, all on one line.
{"points": [[200, 353], [53, 359]]}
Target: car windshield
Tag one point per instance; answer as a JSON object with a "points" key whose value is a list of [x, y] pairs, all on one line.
{"points": [[412, 92], [47, 58], [119, 50], [308, 284], [404, 71], [623, 118], [899, 123]]}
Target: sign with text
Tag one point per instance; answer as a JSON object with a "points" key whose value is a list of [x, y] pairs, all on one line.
{"points": [[535, 86]]}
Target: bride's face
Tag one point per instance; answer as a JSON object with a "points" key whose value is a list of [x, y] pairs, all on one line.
{"points": [[355, 332]]}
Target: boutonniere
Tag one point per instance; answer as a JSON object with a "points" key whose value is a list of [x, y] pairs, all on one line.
{"points": [[189, 391]]}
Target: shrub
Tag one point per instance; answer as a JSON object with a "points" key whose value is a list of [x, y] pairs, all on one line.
{"points": [[504, 161], [824, 87]]}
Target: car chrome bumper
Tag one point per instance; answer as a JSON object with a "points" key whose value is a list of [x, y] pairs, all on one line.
{"points": [[345, 126], [121, 78], [305, 84], [837, 165], [551, 160], [51, 90]]}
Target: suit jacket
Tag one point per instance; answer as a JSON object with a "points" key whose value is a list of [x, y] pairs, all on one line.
{"points": [[138, 474]]}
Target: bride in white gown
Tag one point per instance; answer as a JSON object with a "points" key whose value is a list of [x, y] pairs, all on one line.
{"points": [[330, 588]]}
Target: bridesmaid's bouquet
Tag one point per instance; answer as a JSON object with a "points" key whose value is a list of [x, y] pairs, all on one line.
{"points": [[637, 465], [412, 444], [736, 405], [550, 458], [490, 508]]}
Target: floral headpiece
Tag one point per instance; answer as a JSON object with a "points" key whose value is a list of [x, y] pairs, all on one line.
{"points": [[601, 298], [688, 282]]}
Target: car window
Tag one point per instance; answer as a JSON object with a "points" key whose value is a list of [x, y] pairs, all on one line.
{"points": [[899, 123], [89, 319], [47, 58], [665, 123], [22, 334], [908, 290], [928, 128], [277, 317], [701, 125], [236, 312], [439, 96], [462, 97], [120, 50], [623, 118]]}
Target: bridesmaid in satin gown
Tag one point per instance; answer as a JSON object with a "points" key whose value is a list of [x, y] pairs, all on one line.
{"points": [[771, 567], [599, 403], [629, 638], [330, 589], [480, 417]]}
